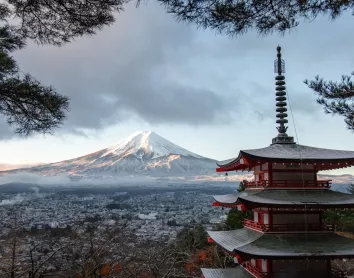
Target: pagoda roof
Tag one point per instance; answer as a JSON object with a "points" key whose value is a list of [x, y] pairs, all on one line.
{"points": [[278, 198], [284, 245], [289, 153], [235, 239], [237, 272]]}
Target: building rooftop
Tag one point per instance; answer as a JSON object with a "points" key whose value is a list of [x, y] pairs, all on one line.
{"points": [[237, 272], [279, 198], [284, 245], [331, 159]]}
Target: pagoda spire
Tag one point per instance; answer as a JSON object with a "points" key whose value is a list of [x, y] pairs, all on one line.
{"points": [[279, 69]]}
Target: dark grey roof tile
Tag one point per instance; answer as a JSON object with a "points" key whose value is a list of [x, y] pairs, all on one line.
{"points": [[297, 245], [283, 245], [290, 197], [231, 240], [237, 272], [292, 152]]}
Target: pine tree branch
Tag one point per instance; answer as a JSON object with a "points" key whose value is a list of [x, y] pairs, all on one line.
{"points": [[30, 106], [335, 97], [236, 17], [58, 22]]}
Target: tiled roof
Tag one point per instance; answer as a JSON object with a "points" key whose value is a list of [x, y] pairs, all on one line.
{"points": [[227, 199], [290, 197], [232, 198], [232, 240], [301, 245], [228, 161], [237, 272], [284, 245], [292, 152]]}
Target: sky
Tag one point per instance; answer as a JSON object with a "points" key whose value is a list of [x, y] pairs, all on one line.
{"points": [[206, 92]]}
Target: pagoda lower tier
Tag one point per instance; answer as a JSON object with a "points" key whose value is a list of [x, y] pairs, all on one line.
{"points": [[286, 255], [286, 235]]}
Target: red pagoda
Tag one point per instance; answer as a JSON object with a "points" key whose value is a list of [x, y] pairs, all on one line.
{"points": [[286, 236]]}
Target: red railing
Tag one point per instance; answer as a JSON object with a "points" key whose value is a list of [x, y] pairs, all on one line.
{"points": [[287, 227], [248, 223], [289, 184], [254, 270]]}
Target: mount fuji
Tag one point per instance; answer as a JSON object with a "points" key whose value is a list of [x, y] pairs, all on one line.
{"points": [[142, 153]]}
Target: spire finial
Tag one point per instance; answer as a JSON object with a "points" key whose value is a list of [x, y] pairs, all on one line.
{"points": [[279, 61], [279, 64], [279, 69]]}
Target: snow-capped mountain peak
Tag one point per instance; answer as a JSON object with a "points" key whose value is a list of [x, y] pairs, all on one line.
{"points": [[143, 153], [147, 143]]}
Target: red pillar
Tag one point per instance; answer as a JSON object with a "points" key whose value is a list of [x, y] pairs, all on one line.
{"points": [[270, 174]]}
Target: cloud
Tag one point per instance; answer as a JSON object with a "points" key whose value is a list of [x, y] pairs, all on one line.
{"points": [[134, 69], [32, 180], [301, 103], [149, 68], [6, 131]]}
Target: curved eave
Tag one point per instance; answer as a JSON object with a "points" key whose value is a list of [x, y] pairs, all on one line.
{"points": [[232, 198], [287, 198], [251, 243], [234, 164], [235, 239]]}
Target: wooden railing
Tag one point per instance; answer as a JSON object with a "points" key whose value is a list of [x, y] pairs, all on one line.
{"points": [[254, 270], [248, 223], [287, 227], [289, 184]]}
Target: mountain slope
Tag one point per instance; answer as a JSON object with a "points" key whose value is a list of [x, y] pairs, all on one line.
{"points": [[143, 153]]}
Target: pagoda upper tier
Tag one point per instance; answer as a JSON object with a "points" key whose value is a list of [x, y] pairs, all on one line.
{"points": [[284, 149], [322, 159]]}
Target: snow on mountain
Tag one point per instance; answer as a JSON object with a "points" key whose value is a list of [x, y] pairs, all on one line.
{"points": [[143, 153], [148, 142]]}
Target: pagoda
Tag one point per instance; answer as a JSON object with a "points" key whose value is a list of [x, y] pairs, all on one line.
{"points": [[286, 235]]}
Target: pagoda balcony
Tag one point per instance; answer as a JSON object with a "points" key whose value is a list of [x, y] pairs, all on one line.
{"points": [[254, 270], [248, 223], [320, 184], [309, 227]]}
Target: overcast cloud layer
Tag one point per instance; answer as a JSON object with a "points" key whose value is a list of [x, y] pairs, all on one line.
{"points": [[137, 68], [150, 68]]}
